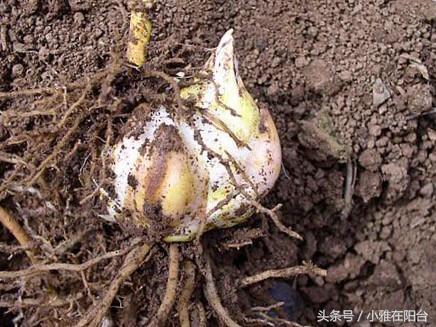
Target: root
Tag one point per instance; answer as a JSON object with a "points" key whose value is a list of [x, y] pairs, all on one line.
{"points": [[271, 214], [56, 150], [202, 228], [12, 159], [278, 321], [268, 308], [213, 298], [306, 268], [43, 90], [171, 288], [132, 262], [19, 233], [202, 320], [13, 249], [75, 105], [242, 237], [188, 288], [40, 303], [41, 268], [167, 78], [69, 243], [350, 183], [258, 322]]}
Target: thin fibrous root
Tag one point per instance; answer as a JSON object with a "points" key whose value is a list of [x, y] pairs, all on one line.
{"points": [[41, 268], [278, 321], [13, 249], [213, 298], [350, 183], [271, 213], [19, 233], [132, 262], [268, 308], [171, 288], [70, 242], [188, 288], [56, 150], [30, 92], [306, 268], [176, 89], [75, 105], [55, 301], [202, 320]]}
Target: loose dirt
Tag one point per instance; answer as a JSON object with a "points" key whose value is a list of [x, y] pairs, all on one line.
{"points": [[351, 87]]}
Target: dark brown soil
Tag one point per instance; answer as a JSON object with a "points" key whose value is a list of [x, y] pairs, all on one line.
{"points": [[345, 81]]}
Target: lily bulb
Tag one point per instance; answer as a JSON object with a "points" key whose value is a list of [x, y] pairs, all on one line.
{"points": [[202, 170]]}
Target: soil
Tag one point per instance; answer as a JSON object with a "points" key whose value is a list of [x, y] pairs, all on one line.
{"points": [[351, 87]]}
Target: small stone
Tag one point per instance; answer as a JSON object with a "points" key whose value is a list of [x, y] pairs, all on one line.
{"points": [[312, 31], [369, 185], [386, 275], [374, 130], [79, 18], [44, 54], [98, 32], [396, 173], [382, 142], [79, 5], [276, 62], [370, 159], [28, 39], [419, 98], [386, 232], [427, 190], [372, 250], [318, 294], [346, 76], [429, 11], [318, 75], [407, 150], [273, 90], [17, 70], [31, 6], [350, 267], [431, 134], [301, 62], [380, 93], [332, 246]]}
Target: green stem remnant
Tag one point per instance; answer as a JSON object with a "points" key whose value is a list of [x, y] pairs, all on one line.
{"points": [[139, 36]]}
